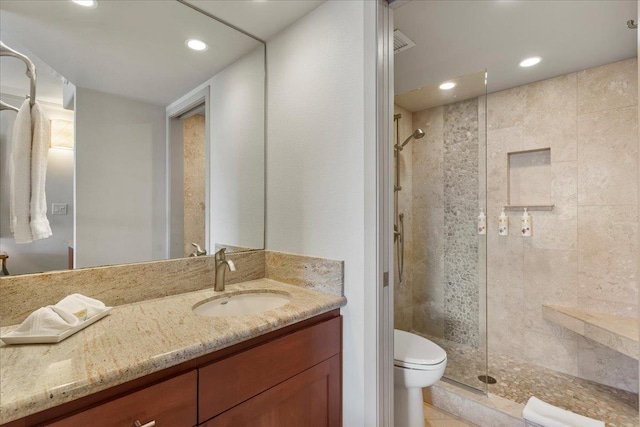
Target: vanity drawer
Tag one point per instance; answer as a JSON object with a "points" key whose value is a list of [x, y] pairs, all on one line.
{"points": [[169, 403], [233, 380]]}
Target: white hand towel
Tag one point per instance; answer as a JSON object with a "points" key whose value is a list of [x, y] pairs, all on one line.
{"points": [[20, 175], [547, 415], [81, 306], [41, 141], [48, 320]]}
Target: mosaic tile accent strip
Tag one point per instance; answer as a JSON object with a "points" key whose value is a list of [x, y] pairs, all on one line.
{"points": [[460, 219]]}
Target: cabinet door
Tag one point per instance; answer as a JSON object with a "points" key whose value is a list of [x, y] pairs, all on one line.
{"points": [[309, 399], [231, 381], [169, 403]]}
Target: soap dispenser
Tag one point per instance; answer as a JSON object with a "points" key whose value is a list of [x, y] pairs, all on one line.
{"points": [[482, 222], [526, 228], [503, 224]]}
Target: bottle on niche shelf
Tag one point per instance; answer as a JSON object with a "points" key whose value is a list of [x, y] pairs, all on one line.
{"points": [[482, 222], [503, 224], [526, 228]]}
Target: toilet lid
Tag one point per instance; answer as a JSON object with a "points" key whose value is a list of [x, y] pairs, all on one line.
{"points": [[414, 349]]}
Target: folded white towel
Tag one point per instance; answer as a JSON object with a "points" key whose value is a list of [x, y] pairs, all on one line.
{"points": [[41, 140], [48, 320], [20, 175], [547, 415], [81, 306]]}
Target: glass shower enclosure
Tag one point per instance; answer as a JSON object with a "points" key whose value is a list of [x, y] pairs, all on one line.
{"points": [[439, 223]]}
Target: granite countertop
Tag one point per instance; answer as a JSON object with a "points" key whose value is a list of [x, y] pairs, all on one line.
{"points": [[136, 340]]}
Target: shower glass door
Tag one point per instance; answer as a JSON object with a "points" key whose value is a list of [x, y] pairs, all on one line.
{"points": [[440, 288]]}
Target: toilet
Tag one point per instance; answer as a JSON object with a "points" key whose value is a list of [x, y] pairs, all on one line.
{"points": [[418, 363]]}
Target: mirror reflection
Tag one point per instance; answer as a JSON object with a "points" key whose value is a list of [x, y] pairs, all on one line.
{"points": [[153, 145]]}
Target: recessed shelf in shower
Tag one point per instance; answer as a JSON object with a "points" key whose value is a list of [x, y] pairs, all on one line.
{"points": [[529, 179]]}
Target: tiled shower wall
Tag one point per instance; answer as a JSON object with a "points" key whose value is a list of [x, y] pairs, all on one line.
{"points": [[403, 291], [445, 170], [584, 252], [581, 254]]}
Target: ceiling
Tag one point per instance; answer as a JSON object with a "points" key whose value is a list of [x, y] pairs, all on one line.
{"points": [[260, 18], [454, 38], [134, 48], [467, 86]]}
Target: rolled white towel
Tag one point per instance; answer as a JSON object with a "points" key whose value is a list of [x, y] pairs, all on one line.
{"points": [[547, 415], [41, 140], [20, 176], [81, 306], [48, 320]]}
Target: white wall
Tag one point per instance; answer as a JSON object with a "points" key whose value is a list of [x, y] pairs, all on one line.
{"points": [[320, 172], [120, 180], [236, 152], [46, 254]]}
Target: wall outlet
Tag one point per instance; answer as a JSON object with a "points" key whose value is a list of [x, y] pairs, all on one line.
{"points": [[58, 209]]}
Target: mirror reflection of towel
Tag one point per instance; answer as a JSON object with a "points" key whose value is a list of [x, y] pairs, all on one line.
{"points": [[20, 175], [28, 171], [41, 126]]}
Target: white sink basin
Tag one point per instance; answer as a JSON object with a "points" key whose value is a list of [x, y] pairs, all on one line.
{"points": [[241, 304]]}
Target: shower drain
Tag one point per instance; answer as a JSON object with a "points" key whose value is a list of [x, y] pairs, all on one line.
{"points": [[487, 379]]}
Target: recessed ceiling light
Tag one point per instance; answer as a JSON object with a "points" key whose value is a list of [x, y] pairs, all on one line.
{"points": [[86, 3], [447, 85], [530, 62], [196, 44]]}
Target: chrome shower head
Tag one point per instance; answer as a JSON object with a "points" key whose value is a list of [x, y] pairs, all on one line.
{"points": [[419, 133]]}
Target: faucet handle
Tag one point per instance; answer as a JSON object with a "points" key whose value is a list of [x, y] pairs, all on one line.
{"points": [[220, 255], [199, 251]]}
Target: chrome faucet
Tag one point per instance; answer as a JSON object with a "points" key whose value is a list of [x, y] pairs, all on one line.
{"points": [[221, 267]]}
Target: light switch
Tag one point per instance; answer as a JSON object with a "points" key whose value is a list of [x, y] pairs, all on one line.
{"points": [[58, 209]]}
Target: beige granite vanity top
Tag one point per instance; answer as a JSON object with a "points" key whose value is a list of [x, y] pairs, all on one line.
{"points": [[136, 340]]}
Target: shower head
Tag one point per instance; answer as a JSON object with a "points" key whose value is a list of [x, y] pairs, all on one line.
{"points": [[419, 133]]}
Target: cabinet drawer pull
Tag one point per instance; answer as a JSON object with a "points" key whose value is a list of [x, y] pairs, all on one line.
{"points": [[149, 424]]}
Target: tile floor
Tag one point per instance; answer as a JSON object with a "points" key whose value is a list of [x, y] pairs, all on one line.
{"points": [[435, 417]]}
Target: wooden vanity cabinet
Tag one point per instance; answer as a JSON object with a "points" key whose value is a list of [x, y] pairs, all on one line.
{"points": [[170, 403], [290, 377], [297, 376]]}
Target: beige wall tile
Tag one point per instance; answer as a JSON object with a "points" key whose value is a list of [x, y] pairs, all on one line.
{"points": [[506, 108], [608, 157], [551, 352], [550, 117], [606, 366], [609, 86], [427, 157], [403, 290], [505, 266], [564, 190], [551, 278], [607, 256], [505, 321]]}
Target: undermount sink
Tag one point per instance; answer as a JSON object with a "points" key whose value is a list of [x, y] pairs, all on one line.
{"points": [[241, 304]]}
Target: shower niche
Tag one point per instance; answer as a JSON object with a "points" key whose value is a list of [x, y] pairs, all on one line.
{"points": [[529, 180]]}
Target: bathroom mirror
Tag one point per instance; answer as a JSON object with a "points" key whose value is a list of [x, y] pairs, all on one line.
{"points": [[167, 143]]}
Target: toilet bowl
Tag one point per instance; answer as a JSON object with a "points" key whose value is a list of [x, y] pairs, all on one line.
{"points": [[418, 363]]}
